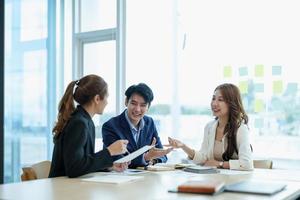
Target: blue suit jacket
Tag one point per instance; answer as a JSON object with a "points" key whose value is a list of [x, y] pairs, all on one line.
{"points": [[118, 128]]}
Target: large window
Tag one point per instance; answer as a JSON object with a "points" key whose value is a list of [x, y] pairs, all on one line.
{"points": [[95, 48], [187, 48], [28, 109], [48, 44]]}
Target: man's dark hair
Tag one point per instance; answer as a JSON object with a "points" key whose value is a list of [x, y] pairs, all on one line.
{"points": [[140, 89]]}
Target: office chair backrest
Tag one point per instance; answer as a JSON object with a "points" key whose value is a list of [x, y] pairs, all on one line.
{"points": [[36, 171], [264, 164]]}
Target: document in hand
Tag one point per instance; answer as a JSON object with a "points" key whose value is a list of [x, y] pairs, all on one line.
{"points": [[201, 169], [201, 187], [134, 154], [255, 187]]}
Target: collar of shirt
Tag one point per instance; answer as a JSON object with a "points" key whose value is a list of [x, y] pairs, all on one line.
{"points": [[135, 131]]}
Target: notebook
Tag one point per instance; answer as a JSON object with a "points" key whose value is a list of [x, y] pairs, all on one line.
{"points": [[200, 186], [158, 168], [201, 169], [256, 187]]}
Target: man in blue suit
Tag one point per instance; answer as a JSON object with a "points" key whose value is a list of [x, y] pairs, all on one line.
{"points": [[134, 126]]}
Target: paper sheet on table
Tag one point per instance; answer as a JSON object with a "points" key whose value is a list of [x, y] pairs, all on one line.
{"points": [[134, 154], [113, 179], [233, 172]]}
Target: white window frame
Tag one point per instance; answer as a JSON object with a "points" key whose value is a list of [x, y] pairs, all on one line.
{"points": [[112, 34]]}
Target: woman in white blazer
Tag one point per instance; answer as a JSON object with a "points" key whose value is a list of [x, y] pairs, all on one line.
{"points": [[226, 141]]}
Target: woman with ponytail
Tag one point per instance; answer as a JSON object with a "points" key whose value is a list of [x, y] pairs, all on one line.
{"points": [[226, 141], [74, 131]]}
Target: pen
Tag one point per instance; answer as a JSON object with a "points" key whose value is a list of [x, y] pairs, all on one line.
{"points": [[127, 152]]}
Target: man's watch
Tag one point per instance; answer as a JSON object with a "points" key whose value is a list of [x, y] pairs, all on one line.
{"points": [[221, 164], [154, 161]]}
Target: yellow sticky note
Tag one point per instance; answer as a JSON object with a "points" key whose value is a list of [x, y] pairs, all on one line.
{"points": [[243, 85], [258, 105], [259, 71], [277, 87], [227, 71]]}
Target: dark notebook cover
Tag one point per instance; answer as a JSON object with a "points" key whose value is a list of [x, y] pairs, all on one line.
{"points": [[255, 187]]}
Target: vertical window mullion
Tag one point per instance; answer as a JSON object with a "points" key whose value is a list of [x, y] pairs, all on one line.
{"points": [[51, 73], [1, 91], [120, 55]]}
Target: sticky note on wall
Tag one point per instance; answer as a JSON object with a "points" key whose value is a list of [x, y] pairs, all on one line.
{"points": [[277, 87], [259, 87], [259, 71], [276, 70], [243, 86], [259, 105], [243, 71], [227, 72]]}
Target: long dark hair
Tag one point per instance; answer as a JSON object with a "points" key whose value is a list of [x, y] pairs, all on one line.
{"points": [[82, 91], [237, 116]]}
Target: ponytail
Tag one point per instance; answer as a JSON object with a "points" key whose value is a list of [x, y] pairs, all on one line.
{"points": [[65, 108], [82, 91]]}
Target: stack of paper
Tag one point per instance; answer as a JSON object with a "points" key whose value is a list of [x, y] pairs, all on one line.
{"points": [[175, 166], [159, 168], [201, 169], [113, 179]]}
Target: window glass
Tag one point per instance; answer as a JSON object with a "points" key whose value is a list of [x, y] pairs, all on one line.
{"points": [[98, 14], [100, 58], [188, 48], [34, 81], [149, 58], [33, 19], [26, 125]]}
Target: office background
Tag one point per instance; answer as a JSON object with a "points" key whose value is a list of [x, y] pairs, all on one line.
{"points": [[182, 48]]}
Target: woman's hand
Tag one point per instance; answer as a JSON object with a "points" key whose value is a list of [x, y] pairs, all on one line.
{"points": [[174, 143], [118, 147], [212, 163]]}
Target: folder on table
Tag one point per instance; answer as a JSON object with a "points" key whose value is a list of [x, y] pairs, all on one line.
{"points": [[256, 187]]}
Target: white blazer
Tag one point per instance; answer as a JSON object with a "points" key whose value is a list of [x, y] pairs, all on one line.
{"points": [[242, 161]]}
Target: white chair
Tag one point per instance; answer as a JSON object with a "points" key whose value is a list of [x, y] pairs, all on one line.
{"points": [[263, 164], [36, 171]]}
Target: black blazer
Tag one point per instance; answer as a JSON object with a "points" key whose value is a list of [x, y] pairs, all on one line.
{"points": [[73, 153], [118, 128]]}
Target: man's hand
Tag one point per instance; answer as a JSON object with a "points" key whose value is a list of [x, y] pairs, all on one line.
{"points": [[120, 167], [155, 152], [118, 147]]}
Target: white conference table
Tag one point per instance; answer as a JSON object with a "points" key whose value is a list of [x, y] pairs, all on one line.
{"points": [[154, 185]]}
